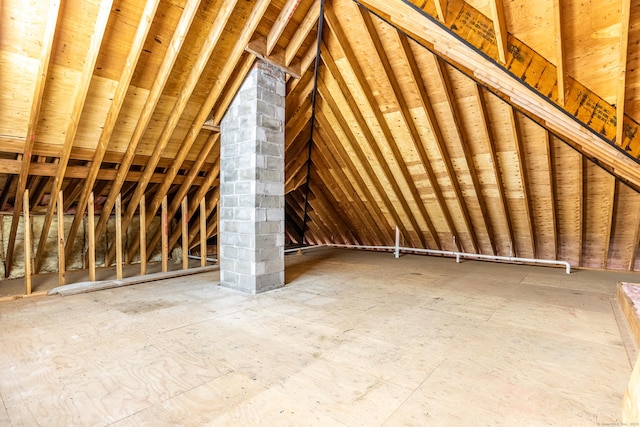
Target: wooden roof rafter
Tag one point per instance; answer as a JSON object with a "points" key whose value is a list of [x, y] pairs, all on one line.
{"points": [[500, 28], [179, 35], [413, 131], [366, 169], [622, 70], [72, 125], [369, 138], [468, 158], [365, 89], [185, 93], [328, 164], [327, 199], [278, 27], [112, 116], [497, 173], [343, 161], [441, 9], [526, 198], [235, 61], [305, 27], [560, 50], [43, 67]]}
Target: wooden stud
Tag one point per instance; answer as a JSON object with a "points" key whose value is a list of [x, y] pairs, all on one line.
{"points": [[182, 191], [118, 240], [212, 175], [613, 191], [582, 217], [560, 56], [213, 178], [153, 98], [43, 67], [112, 116], [622, 70], [92, 238], [143, 237], [203, 232], [27, 243], [61, 262], [552, 190], [164, 231], [286, 12], [217, 205], [185, 232], [500, 28]]}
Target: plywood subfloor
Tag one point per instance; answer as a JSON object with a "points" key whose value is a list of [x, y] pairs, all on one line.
{"points": [[355, 338]]}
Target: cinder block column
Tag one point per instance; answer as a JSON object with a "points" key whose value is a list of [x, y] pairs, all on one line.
{"points": [[252, 184]]}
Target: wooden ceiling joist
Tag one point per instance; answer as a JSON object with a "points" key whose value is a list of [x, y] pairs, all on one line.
{"points": [[43, 67], [72, 125], [112, 116]]}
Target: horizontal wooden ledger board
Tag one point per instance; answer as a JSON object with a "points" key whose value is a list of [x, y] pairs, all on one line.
{"points": [[476, 30]]}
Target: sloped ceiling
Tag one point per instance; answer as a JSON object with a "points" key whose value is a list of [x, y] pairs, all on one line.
{"points": [[124, 97]]}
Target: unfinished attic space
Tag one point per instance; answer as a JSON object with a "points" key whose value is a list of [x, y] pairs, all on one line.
{"points": [[319, 212]]}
